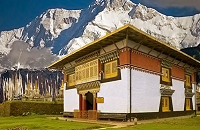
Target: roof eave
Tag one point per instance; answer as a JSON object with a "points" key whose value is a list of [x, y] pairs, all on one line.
{"points": [[58, 64]]}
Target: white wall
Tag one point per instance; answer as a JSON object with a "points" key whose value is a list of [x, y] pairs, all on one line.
{"points": [[178, 97], [115, 95], [71, 100], [193, 98], [145, 92]]}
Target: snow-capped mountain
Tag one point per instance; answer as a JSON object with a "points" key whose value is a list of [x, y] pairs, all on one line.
{"points": [[62, 31], [41, 31]]}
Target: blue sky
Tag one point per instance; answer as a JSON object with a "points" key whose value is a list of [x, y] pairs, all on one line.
{"points": [[18, 13]]}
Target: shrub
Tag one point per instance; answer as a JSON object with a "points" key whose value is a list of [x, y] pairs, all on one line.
{"points": [[18, 108], [5, 109]]}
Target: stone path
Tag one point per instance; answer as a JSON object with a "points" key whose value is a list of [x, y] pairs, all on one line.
{"points": [[114, 124], [118, 124]]}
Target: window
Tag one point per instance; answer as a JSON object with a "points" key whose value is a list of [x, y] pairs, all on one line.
{"points": [[187, 104], [165, 104], [165, 75], [87, 72], [71, 80], [110, 69], [187, 81]]}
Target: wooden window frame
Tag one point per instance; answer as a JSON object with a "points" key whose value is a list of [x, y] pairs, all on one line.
{"points": [[164, 80], [118, 77], [87, 72], [165, 76], [165, 104], [71, 80], [111, 74], [188, 85], [187, 104]]}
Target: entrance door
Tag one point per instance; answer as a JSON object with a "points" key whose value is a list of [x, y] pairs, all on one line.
{"points": [[89, 101], [87, 106]]}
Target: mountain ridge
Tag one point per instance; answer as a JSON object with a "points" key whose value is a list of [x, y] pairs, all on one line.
{"points": [[62, 31]]}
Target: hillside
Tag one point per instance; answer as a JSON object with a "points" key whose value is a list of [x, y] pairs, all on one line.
{"points": [[58, 31]]}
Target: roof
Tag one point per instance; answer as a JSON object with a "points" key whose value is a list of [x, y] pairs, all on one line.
{"points": [[135, 35]]}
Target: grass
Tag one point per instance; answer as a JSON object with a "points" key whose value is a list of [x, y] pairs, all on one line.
{"points": [[39, 122], [192, 123], [42, 122], [198, 112]]}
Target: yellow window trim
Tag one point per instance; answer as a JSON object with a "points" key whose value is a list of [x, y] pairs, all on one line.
{"points": [[188, 104], [188, 81], [71, 80], [110, 69], [165, 104], [165, 74], [86, 72]]}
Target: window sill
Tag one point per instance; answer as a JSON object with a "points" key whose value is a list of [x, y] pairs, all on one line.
{"points": [[118, 77], [167, 111]]}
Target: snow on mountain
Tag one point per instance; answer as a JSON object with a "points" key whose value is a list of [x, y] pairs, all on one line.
{"points": [[180, 32], [63, 31], [41, 31], [7, 38]]}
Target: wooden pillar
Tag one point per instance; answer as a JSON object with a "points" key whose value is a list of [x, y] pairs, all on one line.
{"points": [[94, 101], [94, 112], [100, 67], [64, 77], [80, 102], [84, 107]]}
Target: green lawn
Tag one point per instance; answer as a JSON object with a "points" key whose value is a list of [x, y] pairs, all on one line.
{"points": [[42, 123], [198, 113], [170, 124]]}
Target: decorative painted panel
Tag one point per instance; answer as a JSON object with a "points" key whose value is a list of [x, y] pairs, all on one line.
{"points": [[109, 56], [166, 63]]}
